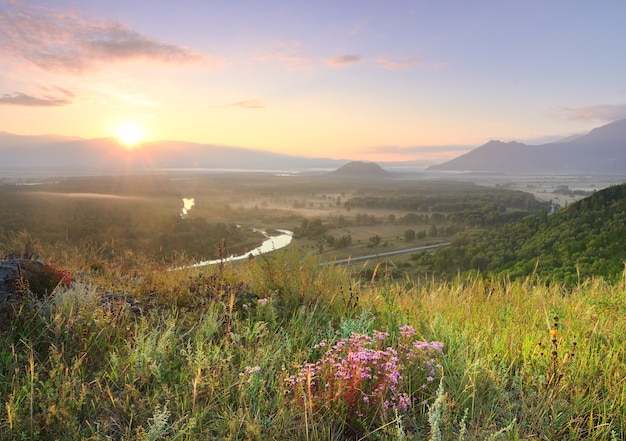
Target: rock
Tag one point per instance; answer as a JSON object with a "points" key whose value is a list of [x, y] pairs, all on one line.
{"points": [[117, 303], [20, 276]]}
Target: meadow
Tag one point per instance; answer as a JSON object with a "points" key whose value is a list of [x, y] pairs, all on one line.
{"points": [[284, 347], [216, 351]]}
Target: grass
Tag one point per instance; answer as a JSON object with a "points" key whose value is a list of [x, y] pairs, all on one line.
{"points": [[207, 360]]}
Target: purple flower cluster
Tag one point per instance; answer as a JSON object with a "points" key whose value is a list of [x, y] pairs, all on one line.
{"points": [[364, 377]]}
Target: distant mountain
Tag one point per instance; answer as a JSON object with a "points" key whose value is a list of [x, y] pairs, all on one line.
{"points": [[583, 240], [601, 151], [360, 169], [58, 152]]}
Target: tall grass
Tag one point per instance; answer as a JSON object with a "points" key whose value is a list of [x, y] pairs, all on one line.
{"points": [[208, 361]]}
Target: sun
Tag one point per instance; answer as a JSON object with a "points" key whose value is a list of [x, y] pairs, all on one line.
{"points": [[129, 134]]}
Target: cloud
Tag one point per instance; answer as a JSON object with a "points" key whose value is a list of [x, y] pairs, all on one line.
{"points": [[287, 53], [248, 104], [597, 112], [65, 41], [343, 60], [357, 28], [135, 99], [404, 63], [23, 99]]}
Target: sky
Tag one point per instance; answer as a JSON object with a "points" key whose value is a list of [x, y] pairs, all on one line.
{"points": [[346, 79]]}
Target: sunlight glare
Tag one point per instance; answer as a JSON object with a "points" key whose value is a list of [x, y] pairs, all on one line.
{"points": [[129, 134]]}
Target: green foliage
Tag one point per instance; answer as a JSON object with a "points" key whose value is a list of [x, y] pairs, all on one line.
{"points": [[311, 228], [409, 235], [210, 369], [462, 203], [208, 356], [113, 225], [580, 241]]}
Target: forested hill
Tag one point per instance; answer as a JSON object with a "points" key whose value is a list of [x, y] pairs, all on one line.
{"points": [[586, 239]]}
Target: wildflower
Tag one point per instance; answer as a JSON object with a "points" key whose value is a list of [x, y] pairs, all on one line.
{"points": [[320, 344], [378, 335], [360, 375], [252, 369], [249, 372], [407, 331], [404, 401]]}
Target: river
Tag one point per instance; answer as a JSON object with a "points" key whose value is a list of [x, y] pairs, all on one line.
{"points": [[271, 243]]}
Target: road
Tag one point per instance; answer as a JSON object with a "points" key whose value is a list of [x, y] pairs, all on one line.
{"points": [[388, 253]]}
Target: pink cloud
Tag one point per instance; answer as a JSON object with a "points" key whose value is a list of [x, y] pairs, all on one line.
{"points": [[597, 112], [343, 60], [287, 53], [23, 99], [65, 41], [404, 63], [248, 104]]}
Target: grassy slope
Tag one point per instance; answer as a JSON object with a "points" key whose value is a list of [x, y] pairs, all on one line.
{"points": [[72, 370]]}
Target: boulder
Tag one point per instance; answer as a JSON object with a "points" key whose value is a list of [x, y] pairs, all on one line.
{"points": [[18, 276]]}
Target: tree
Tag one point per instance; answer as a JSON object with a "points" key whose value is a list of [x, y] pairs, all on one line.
{"points": [[409, 235], [375, 240]]}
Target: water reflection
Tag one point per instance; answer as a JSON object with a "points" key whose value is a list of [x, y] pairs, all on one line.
{"points": [[272, 243], [188, 203]]}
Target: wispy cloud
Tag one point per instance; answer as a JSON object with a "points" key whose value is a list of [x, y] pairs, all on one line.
{"points": [[289, 54], [65, 41], [357, 27], [52, 97], [597, 112], [343, 60], [398, 64], [248, 104]]}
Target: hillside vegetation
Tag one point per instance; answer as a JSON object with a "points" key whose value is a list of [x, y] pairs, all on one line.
{"points": [[283, 347], [112, 217], [580, 241], [222, 353]]}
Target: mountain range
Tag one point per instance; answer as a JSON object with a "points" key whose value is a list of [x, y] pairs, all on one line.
{"points": [[59, 152], [601, 151]]}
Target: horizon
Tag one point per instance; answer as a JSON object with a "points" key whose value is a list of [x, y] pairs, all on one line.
{"points": [[356, 81]]}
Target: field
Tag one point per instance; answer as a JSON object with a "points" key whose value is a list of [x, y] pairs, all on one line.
{"points": [[215, 351], [221, 352], [561, 190], [144, 206]]}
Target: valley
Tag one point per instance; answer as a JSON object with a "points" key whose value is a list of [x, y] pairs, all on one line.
{"points": [[333, 217], [226, 342]]}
